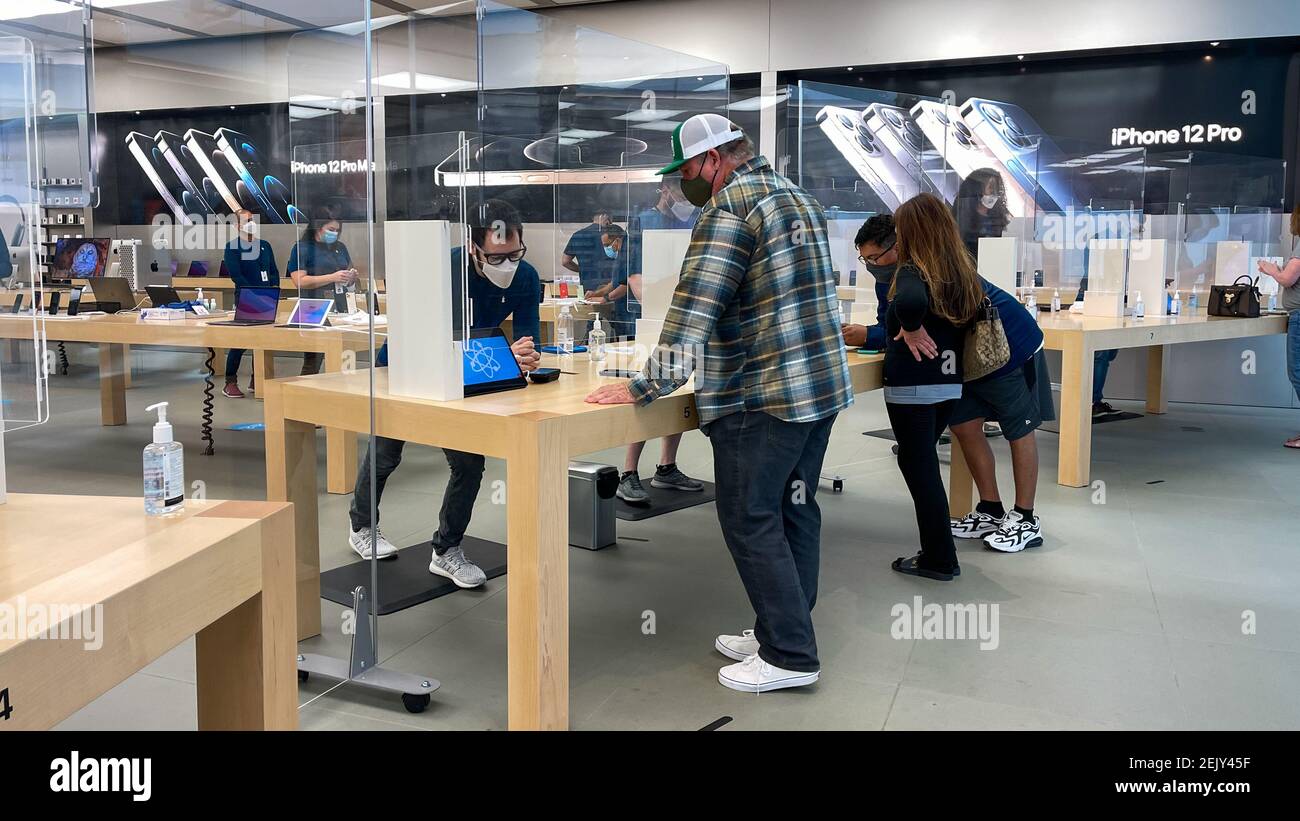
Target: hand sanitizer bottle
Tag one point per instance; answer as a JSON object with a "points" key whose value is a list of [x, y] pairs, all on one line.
{"points": [[164, 469], [564, 332], [1176, 304], [1056, 301], [201, 300], [596, 340], [1139, 309], [1191, 301]]}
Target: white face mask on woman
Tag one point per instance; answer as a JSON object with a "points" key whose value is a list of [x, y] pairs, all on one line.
{"points": [[989, 200]]}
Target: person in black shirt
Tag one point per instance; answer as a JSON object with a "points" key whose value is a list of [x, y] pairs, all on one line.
{"points": [[318, 263], [981, 208], [251, 262], [934, 297]]}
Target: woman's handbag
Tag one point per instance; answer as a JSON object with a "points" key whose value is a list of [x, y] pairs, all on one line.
{"points": [[987, 348], [1235, 300]]}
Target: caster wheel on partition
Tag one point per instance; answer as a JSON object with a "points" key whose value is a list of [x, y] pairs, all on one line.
{"points": [[303, 675], [837, 486], [415, 703]]}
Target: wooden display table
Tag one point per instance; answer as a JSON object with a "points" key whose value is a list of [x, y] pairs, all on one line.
{"points": [[223, 288], [536, 430], [220, 571], [112, 333], [1078, 337]]}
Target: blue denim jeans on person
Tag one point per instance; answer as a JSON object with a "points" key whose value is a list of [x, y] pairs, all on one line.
{"points": [[1293, 350], [1100, 367], [766, 473], [457, 499]]}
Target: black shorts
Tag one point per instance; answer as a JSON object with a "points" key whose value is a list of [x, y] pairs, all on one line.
{"points": [[1019, 400]]}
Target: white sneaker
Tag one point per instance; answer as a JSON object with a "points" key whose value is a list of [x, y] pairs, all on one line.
{"points": [[360, 541], [456, 567], [737, 647], [753, 675], [974, 525], [1015, 534]]}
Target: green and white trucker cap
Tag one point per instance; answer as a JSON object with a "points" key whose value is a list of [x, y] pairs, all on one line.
{"points": [[697, 135]]}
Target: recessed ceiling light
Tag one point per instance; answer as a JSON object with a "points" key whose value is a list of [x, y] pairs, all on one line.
{"points": [[1208, 58], [1214, 43], [1020, 56], [850, 68]]}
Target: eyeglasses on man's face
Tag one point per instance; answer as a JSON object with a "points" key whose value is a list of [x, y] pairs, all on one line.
{"points": [[497, 259], [874, 259]]}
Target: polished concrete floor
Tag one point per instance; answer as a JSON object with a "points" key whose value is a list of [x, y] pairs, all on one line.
{"points": [[1130, 616]]}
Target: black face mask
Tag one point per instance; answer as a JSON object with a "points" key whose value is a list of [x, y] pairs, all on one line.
{"points": [[882, 273], [698, 191]]}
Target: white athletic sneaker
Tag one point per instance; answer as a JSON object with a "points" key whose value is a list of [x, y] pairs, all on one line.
{"points": [[737, 647], [1015, 534], [974, 525], [456, 567], [360, 541], [753, 675]]}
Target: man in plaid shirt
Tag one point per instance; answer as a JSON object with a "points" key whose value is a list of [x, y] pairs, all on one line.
{"points": [[755, 310]]}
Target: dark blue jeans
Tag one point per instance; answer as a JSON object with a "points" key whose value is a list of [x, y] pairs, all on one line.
{"points": [[766, 473], [1100, 367], [457, 499], [232, 363]]}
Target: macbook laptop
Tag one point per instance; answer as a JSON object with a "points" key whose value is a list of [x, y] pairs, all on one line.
{"points": [[309, 313], [254, 306], [198, 269], [490, 365], [110, 291], [160, 295]]}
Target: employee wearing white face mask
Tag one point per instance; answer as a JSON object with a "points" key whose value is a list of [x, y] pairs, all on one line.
{"points": [[501, 283], [318, 262], [251, 262], [981, 208]]}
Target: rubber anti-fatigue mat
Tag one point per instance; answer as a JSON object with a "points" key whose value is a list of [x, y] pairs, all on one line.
{"points": [[406, 581], [662, 501]]}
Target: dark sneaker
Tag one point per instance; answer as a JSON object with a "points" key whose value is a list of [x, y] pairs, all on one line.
{"points": [[630, 489], [232, 391], [670, 477], [1103, 409], [974, 525], [1015, 534]]}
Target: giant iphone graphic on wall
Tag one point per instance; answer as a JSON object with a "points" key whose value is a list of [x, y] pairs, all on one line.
{"points": [[1023, 148], [187, 171], [894, 129], [851, 136], [150, 160], [247, 162], [964, 153], [217, 172]]}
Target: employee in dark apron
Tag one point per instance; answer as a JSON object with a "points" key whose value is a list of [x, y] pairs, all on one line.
{"points": [[251, 262], [318, 262]]}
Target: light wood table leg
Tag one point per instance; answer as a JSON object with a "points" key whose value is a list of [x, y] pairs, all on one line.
{"points": [[246, 660], [1075, 451], [537, 490], [263, 370], [126, 370], [1157, 362], [291, 477], [340, 445], [961, 485], [112, 384]]}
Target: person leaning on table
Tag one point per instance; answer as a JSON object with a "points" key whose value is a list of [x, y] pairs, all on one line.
{"points": [[319, 261], [1288, 276], [251, 262], [756, 308], [501, 283]]}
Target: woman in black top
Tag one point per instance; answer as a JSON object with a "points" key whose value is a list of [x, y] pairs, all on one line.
{"points": [[981, 208], [935, 295]]}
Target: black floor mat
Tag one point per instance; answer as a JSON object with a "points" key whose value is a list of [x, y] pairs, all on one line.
{"points": [[662, 501], [406, 581], [1055, 425]]}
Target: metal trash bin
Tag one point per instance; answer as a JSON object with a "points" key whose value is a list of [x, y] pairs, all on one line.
{"points": [[591, 505]]}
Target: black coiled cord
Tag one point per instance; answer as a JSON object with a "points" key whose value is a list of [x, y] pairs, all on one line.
{"points": [[63, 359], [208, 388]]}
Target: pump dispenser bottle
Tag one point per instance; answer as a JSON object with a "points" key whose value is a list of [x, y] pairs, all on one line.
{"points": [[164, 469]]}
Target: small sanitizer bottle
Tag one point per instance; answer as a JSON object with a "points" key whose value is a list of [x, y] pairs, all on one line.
{"points": [[1176, 304], [1056, 301], [164, 469], [596, 340], [1139, 308]]}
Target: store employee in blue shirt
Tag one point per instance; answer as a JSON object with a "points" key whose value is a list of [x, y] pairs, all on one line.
{"points": [[318, 262], [584, 254], [501, 283], [250, 261]]}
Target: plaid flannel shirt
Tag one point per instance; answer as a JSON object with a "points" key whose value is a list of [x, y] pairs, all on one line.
{"points": [[755, 308]]}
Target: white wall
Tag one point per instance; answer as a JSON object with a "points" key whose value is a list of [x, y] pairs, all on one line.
{"points": [[776, 35]]}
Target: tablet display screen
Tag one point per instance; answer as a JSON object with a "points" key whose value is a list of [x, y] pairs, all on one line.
{"points": [[488, 359]]}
